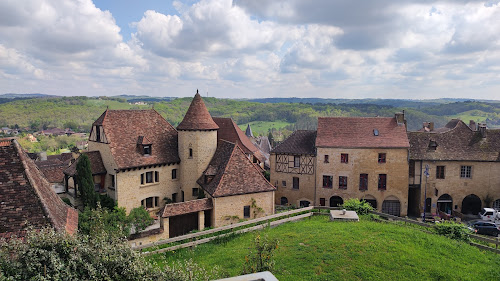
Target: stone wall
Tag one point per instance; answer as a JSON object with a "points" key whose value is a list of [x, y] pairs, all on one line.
{"points": [[484, 181], [363, 161], [229, 209], [109, 164], [203, 144], [130, 192]]}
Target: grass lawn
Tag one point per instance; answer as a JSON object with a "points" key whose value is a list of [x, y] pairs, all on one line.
{"points": [[262, 127], [316, 249]]}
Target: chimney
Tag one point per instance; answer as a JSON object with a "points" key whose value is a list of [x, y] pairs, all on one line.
{"points": [[482, 129], [472, 125], [400, 118], [429, 126], [43, 156]]}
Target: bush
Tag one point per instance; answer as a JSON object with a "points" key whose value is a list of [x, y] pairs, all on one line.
{"points": [[140, 218], [67, 201], [49, 255], [453, 230], [260, 257], [107, 202], [361, 207]]}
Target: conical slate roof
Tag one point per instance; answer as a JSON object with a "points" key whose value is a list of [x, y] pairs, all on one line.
{"points": [[197, 117], [248, 132]]}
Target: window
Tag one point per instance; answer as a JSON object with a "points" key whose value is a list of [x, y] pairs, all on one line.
{"points": [[190, 153], [412, 169], [246, 211], [150, 202], [296, 161], [363, 182], [381, 157], [465, 172], [295, 183], [344, 158], [98, 133], [304, 203], [326, 159], [147, 149], [112, 180], [440, 172], [283, 201], [327, 181], [195, 192], [342, 182], [283, 183], [174, 174], [148, 177], [174, 197], [322, 202], [382, 182]]}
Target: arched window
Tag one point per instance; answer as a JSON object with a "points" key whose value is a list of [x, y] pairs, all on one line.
{"points": [[151, 202], [283, 201]]}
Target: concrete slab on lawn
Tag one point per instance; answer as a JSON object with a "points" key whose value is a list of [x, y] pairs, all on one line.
{"points": [[343, 215]]}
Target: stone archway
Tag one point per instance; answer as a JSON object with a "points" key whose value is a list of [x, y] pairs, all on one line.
{"points": [[471, 204], [445, 203], [283, 201], [336, 201], [370, 200], [391, 206]]}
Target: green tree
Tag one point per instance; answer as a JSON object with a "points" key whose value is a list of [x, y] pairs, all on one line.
{"points": [[86, 182], [140, 218]]}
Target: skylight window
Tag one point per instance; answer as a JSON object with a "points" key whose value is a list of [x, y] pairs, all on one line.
{"points": [[375, 132]]}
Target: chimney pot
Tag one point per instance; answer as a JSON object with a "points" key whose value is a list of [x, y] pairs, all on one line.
{"points": [[472, 125]]}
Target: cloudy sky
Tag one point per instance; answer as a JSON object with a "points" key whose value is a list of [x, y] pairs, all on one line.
{"points": [[252, 48]]}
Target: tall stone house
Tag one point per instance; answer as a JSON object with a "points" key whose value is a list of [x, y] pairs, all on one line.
{"points": [[347, 157], [463, 167], [208, 180]]}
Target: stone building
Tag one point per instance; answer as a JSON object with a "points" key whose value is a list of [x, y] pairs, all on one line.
{"points": [[26, 197], [463, 164], [347, 157], [151, 163]]}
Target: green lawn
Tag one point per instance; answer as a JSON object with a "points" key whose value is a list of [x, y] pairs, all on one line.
{"points": [[262, 127], [316, 249]]}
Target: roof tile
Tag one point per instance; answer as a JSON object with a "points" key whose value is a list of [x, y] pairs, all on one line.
{"points": [[197, 117]]}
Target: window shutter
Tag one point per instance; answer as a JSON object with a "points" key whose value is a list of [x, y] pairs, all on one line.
{"points": [[142, 178]]}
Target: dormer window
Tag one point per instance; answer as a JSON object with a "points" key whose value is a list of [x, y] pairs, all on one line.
{"points": [[433, 145], [147, 149], [98, 133]]}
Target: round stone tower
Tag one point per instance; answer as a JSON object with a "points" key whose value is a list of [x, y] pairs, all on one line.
{"points": [[197, 144]]}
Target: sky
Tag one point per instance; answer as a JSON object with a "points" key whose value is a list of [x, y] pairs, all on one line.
{"points": [[419, 49]]}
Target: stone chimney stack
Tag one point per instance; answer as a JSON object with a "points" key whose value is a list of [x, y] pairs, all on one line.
{"points": [[400, 118], [43, 156], [482, 129], [472, 125], [429, 126]]}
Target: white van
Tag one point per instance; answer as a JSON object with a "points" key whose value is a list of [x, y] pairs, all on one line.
{"points": [[489, 214]]}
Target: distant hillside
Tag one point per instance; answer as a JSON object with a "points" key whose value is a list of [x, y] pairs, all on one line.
{"points": [[284, 117], [24, 96]]}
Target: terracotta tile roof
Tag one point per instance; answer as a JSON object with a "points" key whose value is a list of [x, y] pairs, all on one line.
{"points": [[457, 144], [26, 196], [197, 117], [299, 142], [358, 132], [233, 173], [96, 164], [122, 129], [54, 174], [175, 209], [229, 131]]}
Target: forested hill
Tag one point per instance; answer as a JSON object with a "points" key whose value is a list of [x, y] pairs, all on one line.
{"points": [[82, 111]]}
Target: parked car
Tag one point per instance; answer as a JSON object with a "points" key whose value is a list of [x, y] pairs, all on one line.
{"points": [[489, 214], [485, 227]]}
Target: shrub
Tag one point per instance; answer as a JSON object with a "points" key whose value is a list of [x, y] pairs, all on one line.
{"points": [[140, 218], [260, 257], [361, 207], [49, 255], [453, 230], [107, 202], [67, 201]]}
